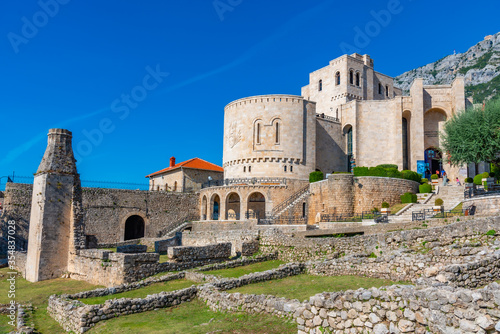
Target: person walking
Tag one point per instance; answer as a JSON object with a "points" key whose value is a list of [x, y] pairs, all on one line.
{"points": [[445, 179], [458, 182]]}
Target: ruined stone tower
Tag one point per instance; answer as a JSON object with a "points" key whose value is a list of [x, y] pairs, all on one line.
{"points": [[56, 230]]}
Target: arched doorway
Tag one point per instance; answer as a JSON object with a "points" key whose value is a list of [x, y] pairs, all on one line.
{"points": [[204, 208], [256, 206], [215, 207], [134, 227], [349, 147], [233, 207], [433, 162]]}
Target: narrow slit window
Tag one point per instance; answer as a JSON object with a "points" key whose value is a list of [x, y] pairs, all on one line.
{"points": [[244, 169], [284, 168], [387, 91], [277, 133], [258, 133], [291, 168], [351, 77], [357, 79], [320, 85], [249, 169], [337, 78]]}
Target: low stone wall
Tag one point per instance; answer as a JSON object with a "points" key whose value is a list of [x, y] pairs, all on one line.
{"points": [[304, 249], [132, 249], [402, 309], [235, 237], [161, 246], [75, 316], [485, 205], [239, 262], [194, 253], [249, 248], [20, 262]]}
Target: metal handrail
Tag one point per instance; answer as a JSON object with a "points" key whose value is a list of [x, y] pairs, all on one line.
{"points": [[245, 181], [278, 208]]}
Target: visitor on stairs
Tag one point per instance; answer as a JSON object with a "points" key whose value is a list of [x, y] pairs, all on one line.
{"points": [[458, 182], [445, 179]]}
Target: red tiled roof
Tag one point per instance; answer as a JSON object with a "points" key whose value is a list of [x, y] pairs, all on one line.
{"points": [[195, 163]]}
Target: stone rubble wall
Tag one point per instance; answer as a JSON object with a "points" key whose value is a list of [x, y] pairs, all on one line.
{"points": [[237, 238], [74, 315], [161, 246], [196, 253], [402, 309], [291, 248]]}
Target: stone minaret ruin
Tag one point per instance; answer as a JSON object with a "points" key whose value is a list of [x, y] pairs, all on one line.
{"points": [[56, 230]]}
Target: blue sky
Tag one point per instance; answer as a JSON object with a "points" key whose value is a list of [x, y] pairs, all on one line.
{"points": [[140, 81]]}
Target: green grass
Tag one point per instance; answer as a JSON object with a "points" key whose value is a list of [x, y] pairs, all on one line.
{"points": [[396, 207], [251, 268], [109, 249], [194, 318], [302, 287], [143, 292], [163, 258], [38, 294]]}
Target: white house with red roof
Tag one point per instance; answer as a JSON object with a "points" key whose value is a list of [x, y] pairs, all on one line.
{"points": [[186, 176]]}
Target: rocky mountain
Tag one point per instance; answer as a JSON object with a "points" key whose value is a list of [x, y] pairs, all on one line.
{"points": [[480, 65]]}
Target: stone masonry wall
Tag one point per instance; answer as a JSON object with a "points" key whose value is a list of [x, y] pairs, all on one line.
{"points": [[106, 211], [303, 249], [485, 206], [195, 253]]}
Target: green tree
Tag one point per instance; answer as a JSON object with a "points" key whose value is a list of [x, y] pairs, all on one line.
{"points": [[473, 135]]}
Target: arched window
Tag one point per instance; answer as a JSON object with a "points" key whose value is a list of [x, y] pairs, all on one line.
{"points": [[337, 114], [277, 135], [320, 85], [357, 79], [351, 77], [387, 90], [291, 168], [249, 169], [405, 143], [348, 133], [284, 168], [337, 78], [380, 88], [244, 169]]}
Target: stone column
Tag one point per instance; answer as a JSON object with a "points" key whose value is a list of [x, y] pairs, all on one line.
{"points": [[56, 226]]}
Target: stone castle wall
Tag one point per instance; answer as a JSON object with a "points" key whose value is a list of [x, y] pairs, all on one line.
{"points": [[269, 136], [106, 210], [345, 194]]}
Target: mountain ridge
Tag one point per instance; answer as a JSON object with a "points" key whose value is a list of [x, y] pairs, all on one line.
{"points": [[480, 65]]}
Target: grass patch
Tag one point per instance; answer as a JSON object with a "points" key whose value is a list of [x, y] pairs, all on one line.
{"points": [[251, 268], [194, 318], [142, 292], [38, 294], [109, 249], [302, 287], [163, 258], [397, 207]]}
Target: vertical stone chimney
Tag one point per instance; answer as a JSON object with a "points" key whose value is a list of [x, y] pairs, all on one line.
{"points": [[172, 161], [56, 223]]}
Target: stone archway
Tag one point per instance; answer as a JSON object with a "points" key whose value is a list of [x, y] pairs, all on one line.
{"points": [[405, 139], [134, 228], [204, 208], [233, 204], [214, 207], [256, 207], [434, 120]]}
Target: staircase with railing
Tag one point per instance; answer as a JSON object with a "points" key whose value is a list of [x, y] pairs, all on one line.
{"points": [[290, 202]]}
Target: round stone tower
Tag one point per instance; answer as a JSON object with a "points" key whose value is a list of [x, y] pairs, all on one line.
{"points": [[269, 136]]}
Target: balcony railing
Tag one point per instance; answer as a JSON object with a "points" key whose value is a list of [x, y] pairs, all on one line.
{"points": [[245, 182]]}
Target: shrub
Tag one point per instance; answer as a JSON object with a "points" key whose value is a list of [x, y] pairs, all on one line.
{"points": [[491, 232], [425, 188], [409, 198], [388, 166], [438, 202], [434, 177], [492, 174], [316, 176], [385, 205], [377, 171], [469, 180], [372, 255], [424, 181], [479, 178], [375, 210], [393, 172], [411, 175], [361, 171]]}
